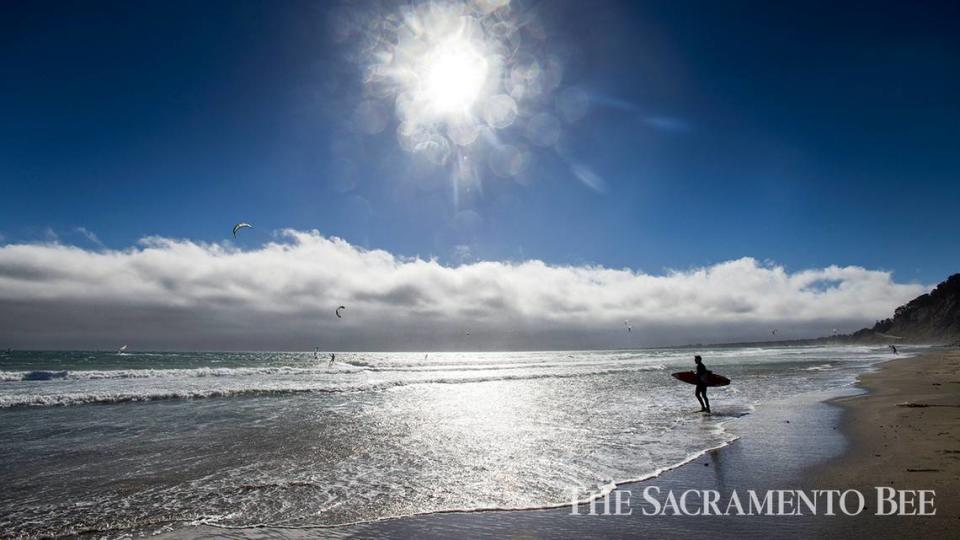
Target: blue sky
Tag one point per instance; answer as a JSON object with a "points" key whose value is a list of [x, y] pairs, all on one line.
{"points": [[809, 135]]}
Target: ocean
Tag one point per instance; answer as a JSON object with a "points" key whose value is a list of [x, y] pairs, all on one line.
{"points": [[140, 442]]}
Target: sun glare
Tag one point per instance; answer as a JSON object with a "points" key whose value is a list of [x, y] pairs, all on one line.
{"points": [[455, 74], [473, 87]]}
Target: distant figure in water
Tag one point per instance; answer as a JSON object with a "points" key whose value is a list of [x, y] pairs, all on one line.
{"points": [[701, 392], [316, 353], [894, 349], [333, 357]]}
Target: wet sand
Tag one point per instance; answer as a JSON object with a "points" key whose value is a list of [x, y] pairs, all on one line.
{"points": [[905, 433], [853, 442]]}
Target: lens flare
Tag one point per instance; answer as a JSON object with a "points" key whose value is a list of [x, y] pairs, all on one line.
{"points": [[473, 85]]}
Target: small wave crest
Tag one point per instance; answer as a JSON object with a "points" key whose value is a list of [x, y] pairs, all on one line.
{"points": [[821, 367], [358, 363]]}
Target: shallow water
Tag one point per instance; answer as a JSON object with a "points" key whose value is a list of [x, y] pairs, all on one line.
{"points": [[143, 441]]}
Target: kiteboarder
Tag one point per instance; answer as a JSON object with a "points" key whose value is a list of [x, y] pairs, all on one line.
{"points": [[241, 225], [332, 358], [701, 391], [893, 348]]}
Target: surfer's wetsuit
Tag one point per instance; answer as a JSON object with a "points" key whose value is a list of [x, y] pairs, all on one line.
{"points": [[701, 391]]}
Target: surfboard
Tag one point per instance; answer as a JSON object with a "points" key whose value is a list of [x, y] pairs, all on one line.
{"points": [[690, 377]]}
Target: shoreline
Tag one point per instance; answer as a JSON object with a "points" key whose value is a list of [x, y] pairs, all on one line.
{"points": [[903, 432], [809, 442], [742, 463]]}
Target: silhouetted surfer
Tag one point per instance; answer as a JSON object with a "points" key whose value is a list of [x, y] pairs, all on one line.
{"points": [[894, 349], [701, 392], [333, 357]]}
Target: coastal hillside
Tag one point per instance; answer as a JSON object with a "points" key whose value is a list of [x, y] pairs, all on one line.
{"points": [[931, 317]]}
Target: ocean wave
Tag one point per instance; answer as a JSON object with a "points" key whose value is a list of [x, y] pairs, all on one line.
{"points": [[49, 399], [358, 363], [283, 371], [102, 398], [43, 375], [421, 368], [92, 375]]}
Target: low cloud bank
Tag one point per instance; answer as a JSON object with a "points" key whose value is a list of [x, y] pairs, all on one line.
{"points": [[169, 294]]}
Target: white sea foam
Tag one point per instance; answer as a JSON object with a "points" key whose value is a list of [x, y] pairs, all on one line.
{"points": [[92, 375], [822, 367], [244, 382]]}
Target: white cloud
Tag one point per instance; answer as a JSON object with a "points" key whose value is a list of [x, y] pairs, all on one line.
{"points": [[169, 293], [89, 235], [51, 235], [589, 178], [462, 253]]}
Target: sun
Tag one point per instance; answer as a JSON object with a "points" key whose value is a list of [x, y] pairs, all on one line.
{"points": [[454, 74]]}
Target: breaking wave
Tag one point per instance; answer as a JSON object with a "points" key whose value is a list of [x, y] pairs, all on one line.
{"points": [[257, 388]]}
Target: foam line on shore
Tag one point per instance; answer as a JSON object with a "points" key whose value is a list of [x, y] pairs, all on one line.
{"points": [[602, 493]]}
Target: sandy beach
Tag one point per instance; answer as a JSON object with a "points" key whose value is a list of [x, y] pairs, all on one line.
{"points": [[904, 433]]}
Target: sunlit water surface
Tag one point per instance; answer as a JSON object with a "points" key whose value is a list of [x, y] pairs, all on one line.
{"points": [[145, 441]]}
